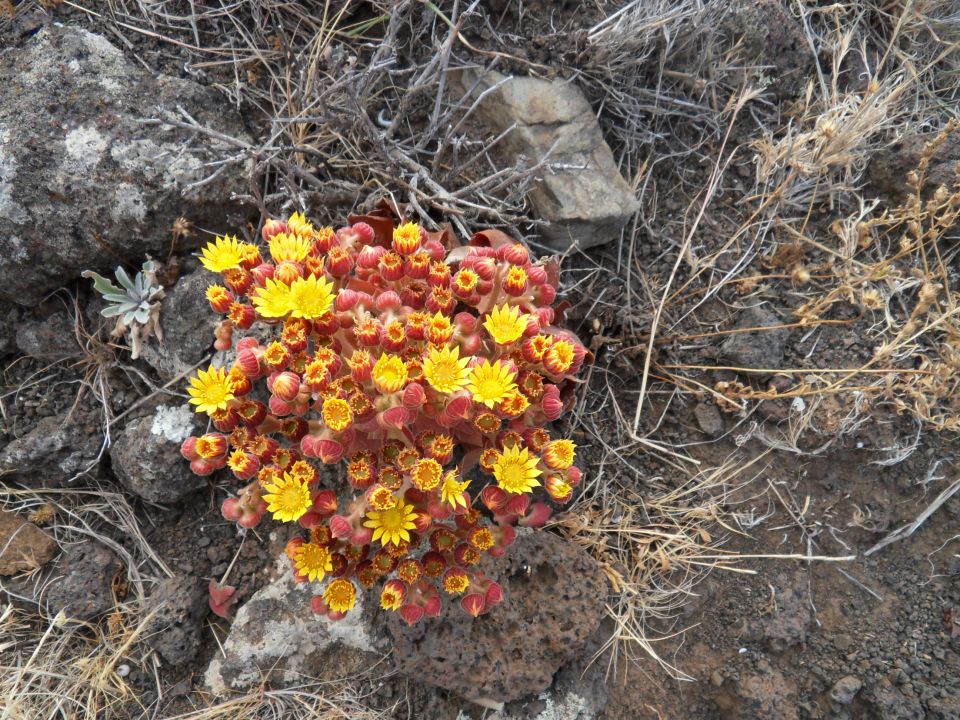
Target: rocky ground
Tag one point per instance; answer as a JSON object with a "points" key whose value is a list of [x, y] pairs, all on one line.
{"points": [[697, 170]]}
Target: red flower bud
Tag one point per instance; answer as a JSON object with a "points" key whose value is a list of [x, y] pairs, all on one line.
{"points": [[362, 233], [248, 362], [545, 294], [432, 606], [434, 249], [280, 407], [287, 272], [517, 505], [395, 417], [325, 502], [574, 475], [545, 315], [485, 268], [388, 300], [231, 509], [539, 514], [346, 300], [474, 604], [411, 613], [493, 595], [494, 498], [221, 597], [202, 467]]}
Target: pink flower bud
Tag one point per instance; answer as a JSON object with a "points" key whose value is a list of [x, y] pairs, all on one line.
{"points": [[515, 254], [280, 407], [459, 406], [432, 606], [188, 448], [388, 300], [467, 322], [434, 249], [340, 527], [363, 232], [221, 597], [414, 396], [329, 451], [395, 417], [202, 467], [574, 475], [485, 268], [248, 362], [273, 227], [551, 403], [545, 294], [470, 345], [250, 519], [369, 257], [261, 273], [346, 300], [494, 498], [546, 315], [231, 509], [286, 385], [539, 514], [536, 274], [317, 605], [361, 537], [247, 343]]}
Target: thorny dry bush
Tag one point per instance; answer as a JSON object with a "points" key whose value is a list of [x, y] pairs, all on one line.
{"points": [[353, 99]]}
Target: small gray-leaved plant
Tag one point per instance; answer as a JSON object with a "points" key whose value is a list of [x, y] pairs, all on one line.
{"points": [[136, 304]]}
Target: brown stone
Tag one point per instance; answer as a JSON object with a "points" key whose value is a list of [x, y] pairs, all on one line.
{"points": [[23, 546]]}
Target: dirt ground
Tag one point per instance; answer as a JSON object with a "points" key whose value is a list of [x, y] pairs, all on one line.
{"points": [[775, 439]]}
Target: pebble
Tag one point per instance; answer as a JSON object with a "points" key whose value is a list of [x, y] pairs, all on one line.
{"points": [[845, 689]]}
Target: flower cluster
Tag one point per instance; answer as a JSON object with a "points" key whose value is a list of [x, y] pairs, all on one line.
{"points": [[414, 362]]}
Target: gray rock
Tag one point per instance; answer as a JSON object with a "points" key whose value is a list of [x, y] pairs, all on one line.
{"points": [[187, 323], [146, 458], [584, 198], [277, 636], [83, 182], [771, 42], [10, 318], [708, 418], [174, 631], [759, 348], [81, 584], [845, 689], [554, 601], [54, 451], [50, 337]]}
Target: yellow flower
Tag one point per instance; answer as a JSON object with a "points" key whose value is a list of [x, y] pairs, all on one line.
{"points": [[559, 454], [274, 300], [337, 414], [289, 247], [313, 561], [516, 470], [445, 370], [211, 390], [389, 373], [299, 224], [452, 491], [393, 525], [406, 238], [491, 382], [287, 498], [310, 297], [340, 595], [224, 253], [426, 474], [505, 324]]}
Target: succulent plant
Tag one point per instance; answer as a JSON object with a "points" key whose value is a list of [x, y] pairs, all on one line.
{"points": [[135, 304]]}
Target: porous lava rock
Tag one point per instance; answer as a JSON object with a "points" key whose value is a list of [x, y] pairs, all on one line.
{"points": [[82, 582], [554, 601], [56, 450], [23, 546], [146, 458], [179, 604], [84, 181]]}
